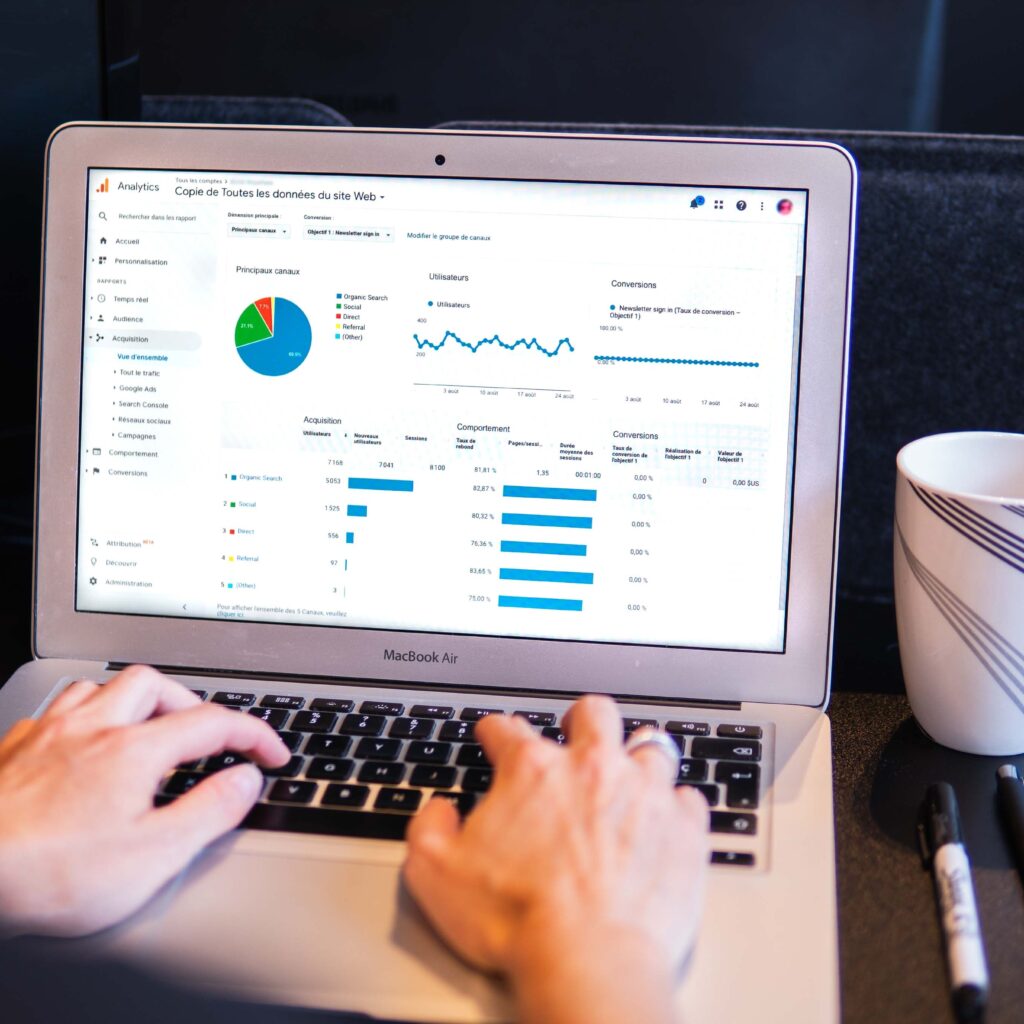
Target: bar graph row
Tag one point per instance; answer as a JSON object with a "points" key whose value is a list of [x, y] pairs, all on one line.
{"points": [[555, 493], [530, 547], [552, 604], [545, 576]]}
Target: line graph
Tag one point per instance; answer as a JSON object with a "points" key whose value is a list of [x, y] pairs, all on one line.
{"points": [[475, 346], [665, 359]]}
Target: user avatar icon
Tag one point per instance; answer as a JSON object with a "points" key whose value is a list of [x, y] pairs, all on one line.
{"points": [[785, 207]]}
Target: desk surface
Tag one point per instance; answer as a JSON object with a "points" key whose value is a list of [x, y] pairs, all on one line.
{"points": [[891, 957]]}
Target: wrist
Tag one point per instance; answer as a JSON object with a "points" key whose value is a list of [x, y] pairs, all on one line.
{"points": [[569, 972]]}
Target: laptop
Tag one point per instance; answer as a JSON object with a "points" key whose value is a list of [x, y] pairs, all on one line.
{"points": [[371, 433]]}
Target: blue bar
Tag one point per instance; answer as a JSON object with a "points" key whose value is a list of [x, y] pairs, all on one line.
{"points": [[545, 576], [350, 538], [526, 519], [529, 547], [559, 493], [357, 510], [554, 604], [372, 483]]}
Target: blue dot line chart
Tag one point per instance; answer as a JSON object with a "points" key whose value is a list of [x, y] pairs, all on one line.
{"points": [[496, 340], [684, 362]]}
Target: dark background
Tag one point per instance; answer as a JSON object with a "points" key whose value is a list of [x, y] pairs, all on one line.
{"points": [[869, 65]]}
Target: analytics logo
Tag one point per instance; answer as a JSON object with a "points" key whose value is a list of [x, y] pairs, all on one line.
{"points": [[104, 185]]}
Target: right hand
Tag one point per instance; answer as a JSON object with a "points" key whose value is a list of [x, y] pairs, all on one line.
{"points": [[81, 845], [579, 876]]}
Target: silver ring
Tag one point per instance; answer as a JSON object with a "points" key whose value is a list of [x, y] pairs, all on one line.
{"points": [[648, 737]]}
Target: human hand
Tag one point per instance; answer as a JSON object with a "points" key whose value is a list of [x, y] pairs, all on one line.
{"points": [[580, 875], [81, 845]]}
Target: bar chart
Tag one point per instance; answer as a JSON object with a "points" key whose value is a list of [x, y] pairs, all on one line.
{"points": [[551, 519]]}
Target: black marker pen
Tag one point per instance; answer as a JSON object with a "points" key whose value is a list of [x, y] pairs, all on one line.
{"points": [[943, 850]]}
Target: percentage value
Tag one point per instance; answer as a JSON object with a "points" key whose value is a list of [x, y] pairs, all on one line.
{"points": [[481, 544], [482, 515], [636, 607], [642, 477], [479, 599], [637, 579], [639, 552], [640, 524], [479, 572], [641, 496]]}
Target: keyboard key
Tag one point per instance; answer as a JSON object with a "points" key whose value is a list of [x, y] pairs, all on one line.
{"points": [[407, 800], [292, 792], [280, 700], [537, 717], [287, 771], [378, 749], [745, 860], [234, 700], [291, 740], [477, 780], [742, 732], [363, 725], [338, 705], [314, 721], [432, 776], [336, 768], [692, 771], [226, 760], [201, 694], [380, 707], [552, 732], [688, 728], [345, 796], [387, 772], [182, 782], [629, 724], [422, 752], [326, 821], [709, 789], [430, 711], [412, 728], [464, 802], [475, 714], [472, 755], [742, 796], [321, 745], [458, 732], [734, 822], [727, 750], [728, 773], [273, 716]]}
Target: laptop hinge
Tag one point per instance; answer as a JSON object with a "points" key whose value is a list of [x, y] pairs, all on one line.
{"points": [[284, 677]]}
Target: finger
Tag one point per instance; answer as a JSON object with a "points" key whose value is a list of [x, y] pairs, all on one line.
{"points": [[653, 759], [694, 806], [138, 693], [15, 735], [433, 828], [209, 729], [593, 720], [215, 806], [80, 691], [500, 734]]}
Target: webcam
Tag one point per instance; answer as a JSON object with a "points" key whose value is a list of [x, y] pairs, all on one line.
{"points": [[439, 159]]}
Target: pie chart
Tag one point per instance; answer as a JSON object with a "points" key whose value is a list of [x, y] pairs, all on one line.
{"points": [[272, 336]]}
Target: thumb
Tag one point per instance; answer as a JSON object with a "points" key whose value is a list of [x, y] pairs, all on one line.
{"points": [[429, 837], [217, 805]]}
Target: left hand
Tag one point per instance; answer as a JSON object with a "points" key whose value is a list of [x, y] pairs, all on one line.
{"points": [[81, 845]]}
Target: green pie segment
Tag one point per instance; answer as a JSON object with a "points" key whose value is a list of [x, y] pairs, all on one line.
{"points": [[251, 327]]}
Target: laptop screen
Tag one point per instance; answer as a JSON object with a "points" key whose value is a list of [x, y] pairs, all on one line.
{"points": [[504, 408]]}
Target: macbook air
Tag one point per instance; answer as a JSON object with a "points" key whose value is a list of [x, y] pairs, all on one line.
{"points": [[373, 433]]}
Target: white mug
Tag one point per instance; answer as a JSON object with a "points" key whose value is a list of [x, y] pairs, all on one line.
{"points": [[958, 553]]}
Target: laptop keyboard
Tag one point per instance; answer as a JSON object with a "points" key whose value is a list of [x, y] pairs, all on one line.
{"points": [[363, 767]]}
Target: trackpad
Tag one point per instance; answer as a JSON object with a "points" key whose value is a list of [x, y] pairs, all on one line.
{"points": [[308, 927]]}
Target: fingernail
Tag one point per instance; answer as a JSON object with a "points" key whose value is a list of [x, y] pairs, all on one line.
{"points": [[249, 780]]}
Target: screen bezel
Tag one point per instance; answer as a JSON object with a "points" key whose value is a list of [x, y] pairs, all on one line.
{"points": [[797, 675]]}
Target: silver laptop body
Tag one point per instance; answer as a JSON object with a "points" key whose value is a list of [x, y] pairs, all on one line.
{"points": [[451, 421]]}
